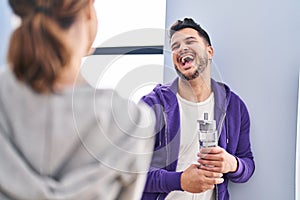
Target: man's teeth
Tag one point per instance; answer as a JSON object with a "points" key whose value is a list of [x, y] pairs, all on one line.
{"points": [[187, 59]]}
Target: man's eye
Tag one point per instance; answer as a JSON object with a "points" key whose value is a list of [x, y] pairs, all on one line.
{"points": [[175, 47], [190, 42]]}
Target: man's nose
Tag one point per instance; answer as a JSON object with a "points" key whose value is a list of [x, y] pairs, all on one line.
{"points": [[183, 48]]}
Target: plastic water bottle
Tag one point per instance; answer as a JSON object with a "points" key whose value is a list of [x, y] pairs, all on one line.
{"points": [[208, 136]]}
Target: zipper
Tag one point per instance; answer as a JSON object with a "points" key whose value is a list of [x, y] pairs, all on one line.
{"points": [[158, 197], [220, 127], [221, 123], [227, 137], [166, 145], [227, 140], [166, 138], [217, 193]]}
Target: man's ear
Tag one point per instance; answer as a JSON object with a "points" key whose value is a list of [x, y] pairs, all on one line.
{"points": [[210, 51]]}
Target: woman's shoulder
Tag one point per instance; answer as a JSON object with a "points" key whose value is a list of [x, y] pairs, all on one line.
{"points": [[8, 82], [5, 75]]}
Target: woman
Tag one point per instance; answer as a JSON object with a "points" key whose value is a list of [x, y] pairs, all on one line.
{"points": [[60, 138]]}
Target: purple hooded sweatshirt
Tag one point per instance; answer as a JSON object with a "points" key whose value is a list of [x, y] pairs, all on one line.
{"points": [[233, 126]]}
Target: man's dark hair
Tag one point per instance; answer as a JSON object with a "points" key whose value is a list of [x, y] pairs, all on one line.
{"points": [[189, 23]]}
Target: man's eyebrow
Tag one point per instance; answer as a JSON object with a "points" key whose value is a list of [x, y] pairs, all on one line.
{"points": [[190, 37]]}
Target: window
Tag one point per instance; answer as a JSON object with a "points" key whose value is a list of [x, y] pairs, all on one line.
{"points": [[129, 47]]}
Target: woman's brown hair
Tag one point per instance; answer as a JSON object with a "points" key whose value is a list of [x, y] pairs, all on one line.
{"points": [[36, 51]]}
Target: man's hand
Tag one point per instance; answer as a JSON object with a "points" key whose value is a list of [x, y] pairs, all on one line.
{"points": [[217, 159], [196, 180]]}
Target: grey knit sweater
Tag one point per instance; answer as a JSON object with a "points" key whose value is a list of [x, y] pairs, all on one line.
{"points": [[79, 143]]}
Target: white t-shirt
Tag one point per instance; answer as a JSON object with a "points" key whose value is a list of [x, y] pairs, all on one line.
{"points": [[190, 112]]}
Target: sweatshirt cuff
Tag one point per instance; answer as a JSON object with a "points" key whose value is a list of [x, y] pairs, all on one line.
{"points": [[238, 171], [173, 181]]}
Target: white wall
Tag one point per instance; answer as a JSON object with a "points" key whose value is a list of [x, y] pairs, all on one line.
{"points": [[257, 48], [127, 23], [118, 17]]}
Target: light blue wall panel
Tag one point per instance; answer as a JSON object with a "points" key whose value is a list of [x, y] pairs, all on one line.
{"points": [[257, 48], [5, 30]]}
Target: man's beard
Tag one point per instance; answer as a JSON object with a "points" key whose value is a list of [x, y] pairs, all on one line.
{"points": [[188, 78], [201, 67]]}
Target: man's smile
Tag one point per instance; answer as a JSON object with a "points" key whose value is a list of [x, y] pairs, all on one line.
{"points": [[186, 60]]}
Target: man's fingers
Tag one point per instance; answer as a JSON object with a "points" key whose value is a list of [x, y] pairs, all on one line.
{"points": [[207, 150], [212, 150], [210, 163], [213, 174], [211, 168], [214, 181], [219, 180]]}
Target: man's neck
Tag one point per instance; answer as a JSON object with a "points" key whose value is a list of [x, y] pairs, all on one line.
{"points": [[196, 90]]}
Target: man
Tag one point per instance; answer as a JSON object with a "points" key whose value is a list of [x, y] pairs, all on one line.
{"points": [[174, 174]]}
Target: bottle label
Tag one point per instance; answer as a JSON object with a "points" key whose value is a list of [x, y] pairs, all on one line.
{"points": [[208, 139]]}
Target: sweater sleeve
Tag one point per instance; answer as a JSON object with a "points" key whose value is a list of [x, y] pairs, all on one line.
{"points": [[243, 154], [162, 181]]}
